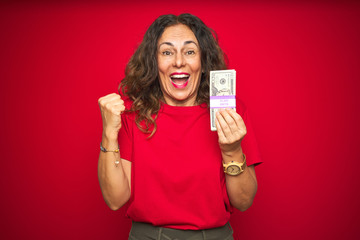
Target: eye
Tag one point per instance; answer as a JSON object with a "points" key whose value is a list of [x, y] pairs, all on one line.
{"points": [[166, 53], [190, 52]]}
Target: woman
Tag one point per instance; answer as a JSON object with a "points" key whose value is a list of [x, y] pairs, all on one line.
{"points": [[160, 154]]}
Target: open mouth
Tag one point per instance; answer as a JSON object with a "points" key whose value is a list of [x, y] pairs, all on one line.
{"points": [[179, 80]]}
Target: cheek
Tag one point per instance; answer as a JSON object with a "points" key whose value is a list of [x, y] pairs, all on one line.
{"points": [[161, 70], [196, 68], [196, 64], [162, 76], [162, 79], [162, 67]]}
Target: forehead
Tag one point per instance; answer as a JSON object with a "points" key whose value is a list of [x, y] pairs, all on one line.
{"points": [[177, 34]]}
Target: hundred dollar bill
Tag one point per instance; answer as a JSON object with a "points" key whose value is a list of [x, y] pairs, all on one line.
{"points": [[222, 92]]}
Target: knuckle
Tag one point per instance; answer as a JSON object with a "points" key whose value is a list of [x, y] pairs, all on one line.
{"points": [[241, 135], [232, 124], [244, 131], [107, 105], [101, 101]]}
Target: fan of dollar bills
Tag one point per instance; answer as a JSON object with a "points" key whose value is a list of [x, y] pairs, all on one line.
{"points": [[222, 92]]}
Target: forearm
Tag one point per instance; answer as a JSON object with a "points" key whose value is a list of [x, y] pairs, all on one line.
{"points": [[241, 188], [114, 183]]}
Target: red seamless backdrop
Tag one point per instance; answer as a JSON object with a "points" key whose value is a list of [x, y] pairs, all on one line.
{"points": [[298, 72]]}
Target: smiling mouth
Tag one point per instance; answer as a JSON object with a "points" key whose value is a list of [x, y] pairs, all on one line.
{"points": [[179, 80]]}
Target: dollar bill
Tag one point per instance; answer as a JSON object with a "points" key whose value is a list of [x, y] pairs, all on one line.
{"points": [[222, 93]]}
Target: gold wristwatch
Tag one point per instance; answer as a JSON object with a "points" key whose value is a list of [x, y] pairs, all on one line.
{"points": [[234, 168]]}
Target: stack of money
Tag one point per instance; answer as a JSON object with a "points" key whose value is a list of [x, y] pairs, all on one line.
{"points": [[222, 92]]}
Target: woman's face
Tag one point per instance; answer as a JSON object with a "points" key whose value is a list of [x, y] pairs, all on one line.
{"points": [[179, 63]]}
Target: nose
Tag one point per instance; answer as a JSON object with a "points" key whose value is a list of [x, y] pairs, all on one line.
{"points": [[179, 60]]}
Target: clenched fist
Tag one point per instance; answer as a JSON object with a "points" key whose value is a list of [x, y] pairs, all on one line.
{"points": [[111, 107]]}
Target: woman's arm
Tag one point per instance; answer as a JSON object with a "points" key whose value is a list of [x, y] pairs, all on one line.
{"points": [[231, 130], [114, 173], [241, 188]]}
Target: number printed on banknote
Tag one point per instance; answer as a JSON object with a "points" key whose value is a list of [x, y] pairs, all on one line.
{"points": [[222, 92]]}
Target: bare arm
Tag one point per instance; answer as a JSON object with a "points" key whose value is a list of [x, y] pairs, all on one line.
{"points": [[241, 188], [114, 178], [231, 130]]}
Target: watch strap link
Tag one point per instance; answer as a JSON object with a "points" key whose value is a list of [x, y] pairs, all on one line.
{"points": [[241, 166]]}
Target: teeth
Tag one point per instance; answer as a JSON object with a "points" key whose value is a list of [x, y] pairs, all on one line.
{"points": [[180, 76]]}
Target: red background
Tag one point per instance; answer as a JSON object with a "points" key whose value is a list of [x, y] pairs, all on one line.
{"points": [[298, 72]]}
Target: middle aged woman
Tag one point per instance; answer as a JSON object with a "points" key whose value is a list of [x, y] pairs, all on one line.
{"points": [[160, 153]]}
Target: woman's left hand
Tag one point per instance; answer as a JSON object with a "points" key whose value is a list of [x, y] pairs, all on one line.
{"points": [[231, 130]]}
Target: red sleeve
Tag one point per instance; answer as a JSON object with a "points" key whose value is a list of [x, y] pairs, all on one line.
{"points": [[248, 144], [126, 137]]}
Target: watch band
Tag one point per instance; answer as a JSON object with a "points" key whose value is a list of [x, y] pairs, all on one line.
{"points": [[234, 168]]}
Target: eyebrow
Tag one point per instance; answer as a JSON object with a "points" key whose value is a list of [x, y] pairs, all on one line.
{"points": [[172, 45]]}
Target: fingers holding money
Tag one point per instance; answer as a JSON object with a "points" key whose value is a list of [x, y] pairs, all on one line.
{"points": [[231, 129]]}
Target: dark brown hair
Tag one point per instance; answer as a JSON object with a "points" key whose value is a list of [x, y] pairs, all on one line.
{"points": [[141, 83]]}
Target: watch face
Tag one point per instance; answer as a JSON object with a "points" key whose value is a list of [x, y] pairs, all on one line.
{"points": [[233, 170]]}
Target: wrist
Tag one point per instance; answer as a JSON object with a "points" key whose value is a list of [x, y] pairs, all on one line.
{"points": [[110, 135], [110, 142], [230, 155], [232, 151]]}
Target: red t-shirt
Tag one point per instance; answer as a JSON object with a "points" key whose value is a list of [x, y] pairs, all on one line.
{"points": [[177, 174]]}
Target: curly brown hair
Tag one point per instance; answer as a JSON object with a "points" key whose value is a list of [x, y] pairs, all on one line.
{"points": [[141, 84]]}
